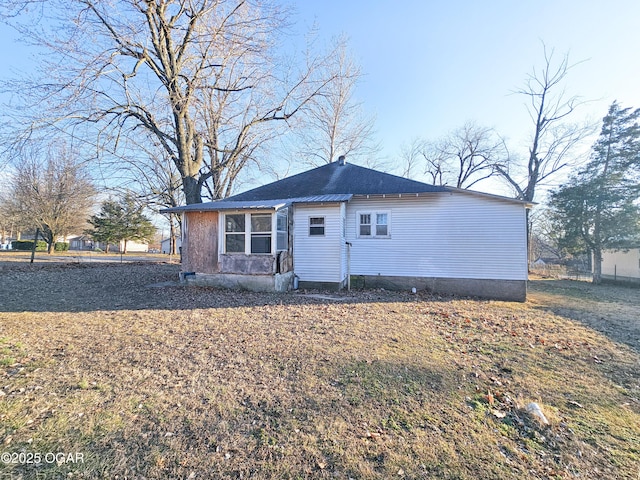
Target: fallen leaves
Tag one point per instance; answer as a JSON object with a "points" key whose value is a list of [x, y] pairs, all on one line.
{"points": [[293, 386]]}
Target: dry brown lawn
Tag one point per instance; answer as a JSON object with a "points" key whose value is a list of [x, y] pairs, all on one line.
{"points": [[155, 382]]}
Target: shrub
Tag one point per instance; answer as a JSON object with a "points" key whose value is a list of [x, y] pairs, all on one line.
{"points": [[27, 245], [61, 246]]}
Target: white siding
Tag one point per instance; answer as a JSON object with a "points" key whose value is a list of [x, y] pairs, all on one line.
{"points": [[318, 258], [620, 263], [343, 240], [453, 235]]}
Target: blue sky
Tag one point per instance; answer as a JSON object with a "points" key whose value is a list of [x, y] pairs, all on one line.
{"points": [[429, 66]]}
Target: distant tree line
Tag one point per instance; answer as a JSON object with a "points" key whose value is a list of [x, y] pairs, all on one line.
{"points": [[52, 193]]}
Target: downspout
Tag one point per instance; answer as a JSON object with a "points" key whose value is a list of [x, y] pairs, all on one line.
{"points": [[348, 266]]}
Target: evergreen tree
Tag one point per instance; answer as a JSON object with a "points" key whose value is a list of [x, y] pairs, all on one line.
{"points": [[106, 224], [599, 207], [121, 221]]}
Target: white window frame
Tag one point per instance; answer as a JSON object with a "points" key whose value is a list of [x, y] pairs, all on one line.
{"points": [[282, 213], [261, 233], [225, 233], [373, 218], [248, 232], [324, 226]]}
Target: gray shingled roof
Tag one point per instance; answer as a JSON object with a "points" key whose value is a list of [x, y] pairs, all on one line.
{"points": [[336, 178], [334, 182]]}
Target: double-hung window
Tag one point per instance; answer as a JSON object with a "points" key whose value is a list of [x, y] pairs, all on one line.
{"points": [[260, 233], [234, 233], [365, 224], [247, 233], [382, 224], [373, 224]]}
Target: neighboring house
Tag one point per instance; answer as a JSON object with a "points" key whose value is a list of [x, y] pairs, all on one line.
{"points": [[165, 245], [341, 222], [621, 265], [132, 247], [80, 242], [84, 242]]}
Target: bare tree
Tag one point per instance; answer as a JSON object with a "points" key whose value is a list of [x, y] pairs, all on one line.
{"points": [[412, 156], [333, 123], [51, 191], [553, 140], [462, 158], [199, 76], [544, 238], [466, 156], [159, 185], [9, 223]]}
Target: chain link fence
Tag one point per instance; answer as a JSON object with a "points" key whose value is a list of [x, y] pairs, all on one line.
{"points": [[564, 272]]}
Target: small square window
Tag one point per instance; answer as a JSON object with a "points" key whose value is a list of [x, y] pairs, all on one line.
{"points": [[235, 243], [316, 226], [260, 243], [261, 223], [234, 223]]}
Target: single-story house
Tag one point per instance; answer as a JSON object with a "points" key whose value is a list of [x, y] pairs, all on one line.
{"points": [[342, 223], [621, 265], [80, 242]]}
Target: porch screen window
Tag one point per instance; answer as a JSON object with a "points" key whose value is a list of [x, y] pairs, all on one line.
{"points": [[316, 226], [234, 233], [261, 233], [282, 230]]}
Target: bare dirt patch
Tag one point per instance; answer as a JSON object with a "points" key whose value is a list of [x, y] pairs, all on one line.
{"points": [[173, 382]]}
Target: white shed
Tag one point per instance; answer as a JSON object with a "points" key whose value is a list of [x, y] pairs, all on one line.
{"points": [[621, 265]]}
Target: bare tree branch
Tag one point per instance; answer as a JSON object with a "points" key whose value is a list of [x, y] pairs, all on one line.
{"points": [[553, 141], [202, 77]]}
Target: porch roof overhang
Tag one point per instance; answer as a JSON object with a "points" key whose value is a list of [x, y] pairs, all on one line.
{"points": [[222, 205]]}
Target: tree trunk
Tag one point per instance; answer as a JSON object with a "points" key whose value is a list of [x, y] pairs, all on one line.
{"points": [[528, 230], [191, 188], [50, 247], [597, 266], [172, 235], [124, 246]]}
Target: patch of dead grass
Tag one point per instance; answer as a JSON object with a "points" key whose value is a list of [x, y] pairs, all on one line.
{"points": [[199, 383]]}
